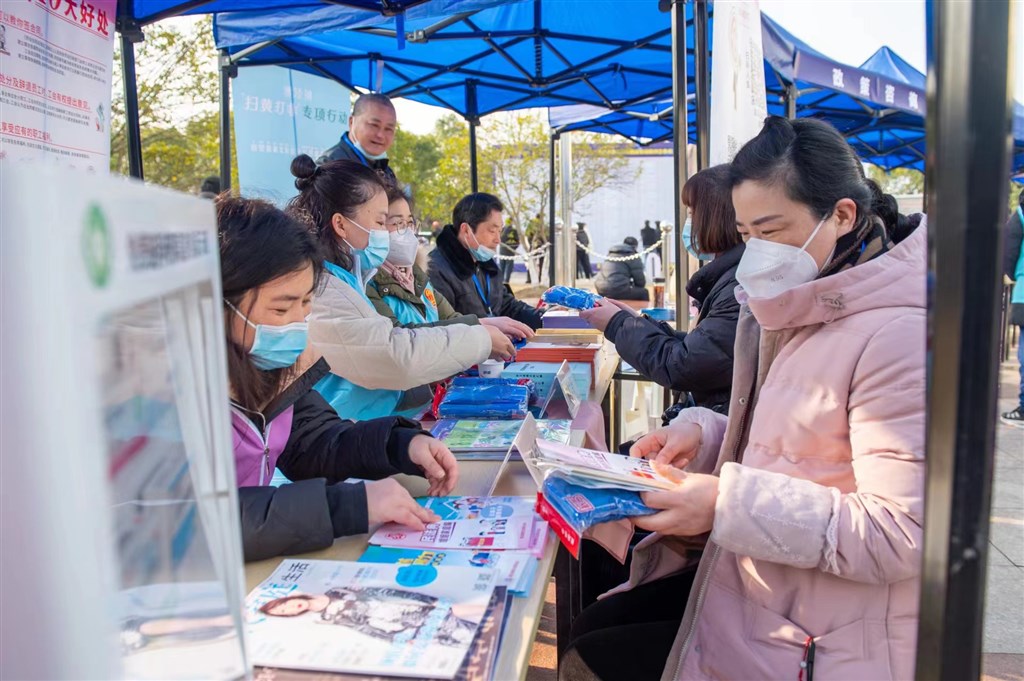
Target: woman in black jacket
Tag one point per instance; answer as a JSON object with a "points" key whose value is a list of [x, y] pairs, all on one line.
{"points": [[270, 265], [698, 362]]}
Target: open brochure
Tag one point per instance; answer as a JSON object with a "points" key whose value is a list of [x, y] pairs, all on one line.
{"points": [[367, 618]]}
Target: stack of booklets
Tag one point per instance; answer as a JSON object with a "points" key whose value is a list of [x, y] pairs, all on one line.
{"points": [[474, 440], [417, 621]]}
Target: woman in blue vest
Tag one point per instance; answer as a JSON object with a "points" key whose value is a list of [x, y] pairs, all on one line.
{"points": [[377, 369], [1014, 269], [400, 289]]}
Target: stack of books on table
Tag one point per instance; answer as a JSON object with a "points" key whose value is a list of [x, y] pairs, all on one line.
{"points": [[425, 605]]}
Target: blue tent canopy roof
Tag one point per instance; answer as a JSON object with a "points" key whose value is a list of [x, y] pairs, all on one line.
{"points": [[149, 11], [474, 58]]}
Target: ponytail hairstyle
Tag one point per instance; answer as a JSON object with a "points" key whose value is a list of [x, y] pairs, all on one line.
{"points": [[335, 187], [258, 244], [815, 165]]}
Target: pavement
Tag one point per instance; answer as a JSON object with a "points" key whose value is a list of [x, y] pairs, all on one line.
{"points": [[1003, 643]]}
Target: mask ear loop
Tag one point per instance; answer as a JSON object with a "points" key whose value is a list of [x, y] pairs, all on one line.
{"points": [[248, 323]]}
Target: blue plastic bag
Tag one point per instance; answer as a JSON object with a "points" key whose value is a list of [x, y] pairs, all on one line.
{"points": [[583, 507], [485, 400], [574, 298]]}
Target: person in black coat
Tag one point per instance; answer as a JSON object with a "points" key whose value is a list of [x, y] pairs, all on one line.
{"points": [[698, 362], [270, 265], [462, 267], [622, 279], [371, 132]]}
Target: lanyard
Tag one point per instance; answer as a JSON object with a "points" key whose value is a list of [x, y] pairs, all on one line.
{"points": [[486, 299]]}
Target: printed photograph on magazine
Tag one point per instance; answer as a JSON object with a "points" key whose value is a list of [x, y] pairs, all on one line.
{"points": [[367, 618]]}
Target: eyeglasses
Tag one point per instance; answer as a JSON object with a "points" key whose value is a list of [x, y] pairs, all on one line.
{"points": [[403, 226]]}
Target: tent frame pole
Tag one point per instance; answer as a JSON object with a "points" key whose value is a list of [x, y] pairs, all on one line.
{"points": [[789, 98], [474, 121], [702, 78], [131, 33], [679, 141], [968, 162], [228, 70], [552, 247]]}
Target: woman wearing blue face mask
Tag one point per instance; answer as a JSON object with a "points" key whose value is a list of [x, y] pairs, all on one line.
{"points": [[697, 363], [270, 265], [377, 368]]}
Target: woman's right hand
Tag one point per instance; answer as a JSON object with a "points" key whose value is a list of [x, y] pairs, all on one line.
{"points": [[674, 445], [510, 327], [387, 502], [501, 345]]}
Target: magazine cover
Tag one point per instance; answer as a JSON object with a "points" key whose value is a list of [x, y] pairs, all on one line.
{"points": [[478, 665], [367, 618], [592, 468], [511, 566], [471, 508], [464, 435], [497, 534]]}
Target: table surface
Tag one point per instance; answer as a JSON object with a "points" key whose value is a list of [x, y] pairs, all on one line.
{"points": [[475, 479]]}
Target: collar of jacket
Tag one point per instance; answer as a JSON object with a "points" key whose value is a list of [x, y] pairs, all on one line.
{"points": [[296, 389], [462, 261], [387, 286], [378, 164], [704, 279], [894, 279]]}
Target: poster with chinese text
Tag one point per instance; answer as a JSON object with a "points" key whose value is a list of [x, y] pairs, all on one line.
{"points": [[56, 58], [738, 106]]}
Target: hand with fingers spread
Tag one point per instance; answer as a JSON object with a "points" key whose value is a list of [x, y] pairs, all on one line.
{"points": [[687, 511], [674, 445], [387, 502], [508, 326], [438, 463], [501, 345]]}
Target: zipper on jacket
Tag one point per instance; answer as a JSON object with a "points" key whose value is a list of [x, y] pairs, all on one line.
{"points": [[699, 604], [264, 437]]}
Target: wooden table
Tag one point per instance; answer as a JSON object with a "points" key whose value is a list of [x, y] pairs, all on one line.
{"points": [[475, 478]]}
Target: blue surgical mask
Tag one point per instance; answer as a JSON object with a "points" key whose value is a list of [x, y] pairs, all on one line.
{"points": [[375, 253], [480, 252], [690, 246], [275, 347]]}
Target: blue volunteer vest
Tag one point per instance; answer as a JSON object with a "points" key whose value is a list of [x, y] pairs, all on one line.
{"points": [[353, 401], [1018, 274], [406, 312]]}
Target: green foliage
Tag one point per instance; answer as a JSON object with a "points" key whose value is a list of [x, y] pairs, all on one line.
{"points": [[899, 181]]}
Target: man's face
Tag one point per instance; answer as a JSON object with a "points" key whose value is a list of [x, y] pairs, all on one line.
{"points": [[374, 127]]}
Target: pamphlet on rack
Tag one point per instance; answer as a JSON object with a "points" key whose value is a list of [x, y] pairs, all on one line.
{"points": [[515, 568], [366, 618], [481, 439], [517, 533]]}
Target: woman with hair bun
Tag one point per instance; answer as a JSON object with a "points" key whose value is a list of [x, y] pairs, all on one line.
{"points": [[808, 498], [377, 368]]}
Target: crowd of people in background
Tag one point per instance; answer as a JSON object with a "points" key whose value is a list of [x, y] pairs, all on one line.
{"points": [[799, 419]]}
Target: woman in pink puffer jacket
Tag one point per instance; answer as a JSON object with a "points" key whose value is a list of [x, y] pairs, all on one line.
{"points": [[808, 499]]}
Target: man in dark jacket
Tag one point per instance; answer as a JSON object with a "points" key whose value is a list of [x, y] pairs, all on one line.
{"points": [[462, 267], [622, 278], [509, 243], [582, 257], [698, 362], [371, 131]]}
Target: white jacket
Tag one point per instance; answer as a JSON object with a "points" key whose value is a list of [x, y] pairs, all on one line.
{"points": [[362, 346]]}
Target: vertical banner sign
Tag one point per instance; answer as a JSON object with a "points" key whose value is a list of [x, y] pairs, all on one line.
{"points": [[738, 106], [56, 58], [280, 113]]}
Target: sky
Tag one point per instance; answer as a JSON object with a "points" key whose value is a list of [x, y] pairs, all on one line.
{"points": [[865, 25]]}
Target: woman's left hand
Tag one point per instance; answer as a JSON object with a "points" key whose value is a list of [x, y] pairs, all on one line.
{"points": [[600, 315], [438, 463], [687, 511]]}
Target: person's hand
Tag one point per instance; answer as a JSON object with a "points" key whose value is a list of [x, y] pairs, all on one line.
{"points": [[438, 463], [501, 345], [687, 511], [509, 327], [601, 314], [387, 502], [673, 445], [622, 306]]}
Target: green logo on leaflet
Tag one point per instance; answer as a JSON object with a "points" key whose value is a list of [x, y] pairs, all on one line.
{"points": [[96, 247]]}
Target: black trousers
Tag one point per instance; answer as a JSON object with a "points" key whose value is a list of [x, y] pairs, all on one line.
{"points": [[627, 636]]}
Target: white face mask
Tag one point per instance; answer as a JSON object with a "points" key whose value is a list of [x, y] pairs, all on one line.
{"points": [[768, 269], [403, 248]]}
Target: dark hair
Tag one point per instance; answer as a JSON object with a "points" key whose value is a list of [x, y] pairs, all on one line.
{"points": [[334, 187], [474, 209], [366, 100], [631, 241], [270, 605], [258, 243], [708, 195], [211, 185], [818, 168]]}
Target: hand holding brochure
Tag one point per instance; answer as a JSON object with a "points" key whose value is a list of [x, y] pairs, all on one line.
{"points": [[591, 468]]}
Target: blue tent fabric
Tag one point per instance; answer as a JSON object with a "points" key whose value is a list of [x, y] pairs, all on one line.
{"points": [[149, 11], [474, 58]]}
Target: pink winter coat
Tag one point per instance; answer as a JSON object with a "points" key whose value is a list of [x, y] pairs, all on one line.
{"points": [[818, 523]]}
